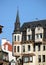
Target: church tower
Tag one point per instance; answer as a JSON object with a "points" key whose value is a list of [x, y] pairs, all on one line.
{"points": [[17, 37], [17, 24]]}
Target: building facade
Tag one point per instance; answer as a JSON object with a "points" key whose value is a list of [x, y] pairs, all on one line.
{"points": [[4, 59], [7, 47], [29, 42]]}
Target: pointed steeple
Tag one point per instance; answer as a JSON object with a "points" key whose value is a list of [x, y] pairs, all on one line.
{"points": [[17, 17], [17, 23]]}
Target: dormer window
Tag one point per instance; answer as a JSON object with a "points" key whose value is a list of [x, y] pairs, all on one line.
{"points": [[38, 28], [29, 30], [29, 37], [40, 35], [39, 25], [37, 35]]}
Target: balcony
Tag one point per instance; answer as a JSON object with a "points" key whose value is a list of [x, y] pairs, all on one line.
{"points": [[38, 40]]}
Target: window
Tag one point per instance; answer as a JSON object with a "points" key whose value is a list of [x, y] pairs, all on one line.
{"points": [[43, 47], [14, 48], [43, 58], [28, 59], [23, 48], [29, 37], [38, 47], [18, 49], [4, 57], [31, 59], [40, 35], [28, 47], [25, 59], [34, 48], [18, 37], [39, 25], [12, 63], [39, 58], [15, 38], [38, 28], [37, 35], [24, 38], [29, 30]]}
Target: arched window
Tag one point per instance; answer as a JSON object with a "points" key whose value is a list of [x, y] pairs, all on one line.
{"points": [[15, 38], [18, 48], [29, 47], [29, 30], [18, 37], [14, 48], [23, 48]]}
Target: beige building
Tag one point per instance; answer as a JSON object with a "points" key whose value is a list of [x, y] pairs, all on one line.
{"points": [[29, 42]]}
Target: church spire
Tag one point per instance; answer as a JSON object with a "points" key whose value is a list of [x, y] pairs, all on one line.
{"points": [[17, 17], [17, 23]]}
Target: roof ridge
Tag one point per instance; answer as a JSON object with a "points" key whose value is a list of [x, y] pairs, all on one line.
{"points": [[7, 43], [35, 21]]}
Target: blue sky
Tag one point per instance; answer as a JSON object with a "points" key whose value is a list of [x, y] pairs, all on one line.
{"points": [[29, 10]]}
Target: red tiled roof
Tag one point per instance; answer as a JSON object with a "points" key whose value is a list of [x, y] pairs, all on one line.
{"points": [[9, 46]]}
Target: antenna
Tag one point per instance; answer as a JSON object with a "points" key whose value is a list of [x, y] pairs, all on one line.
{"points": [[36, 18]]}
